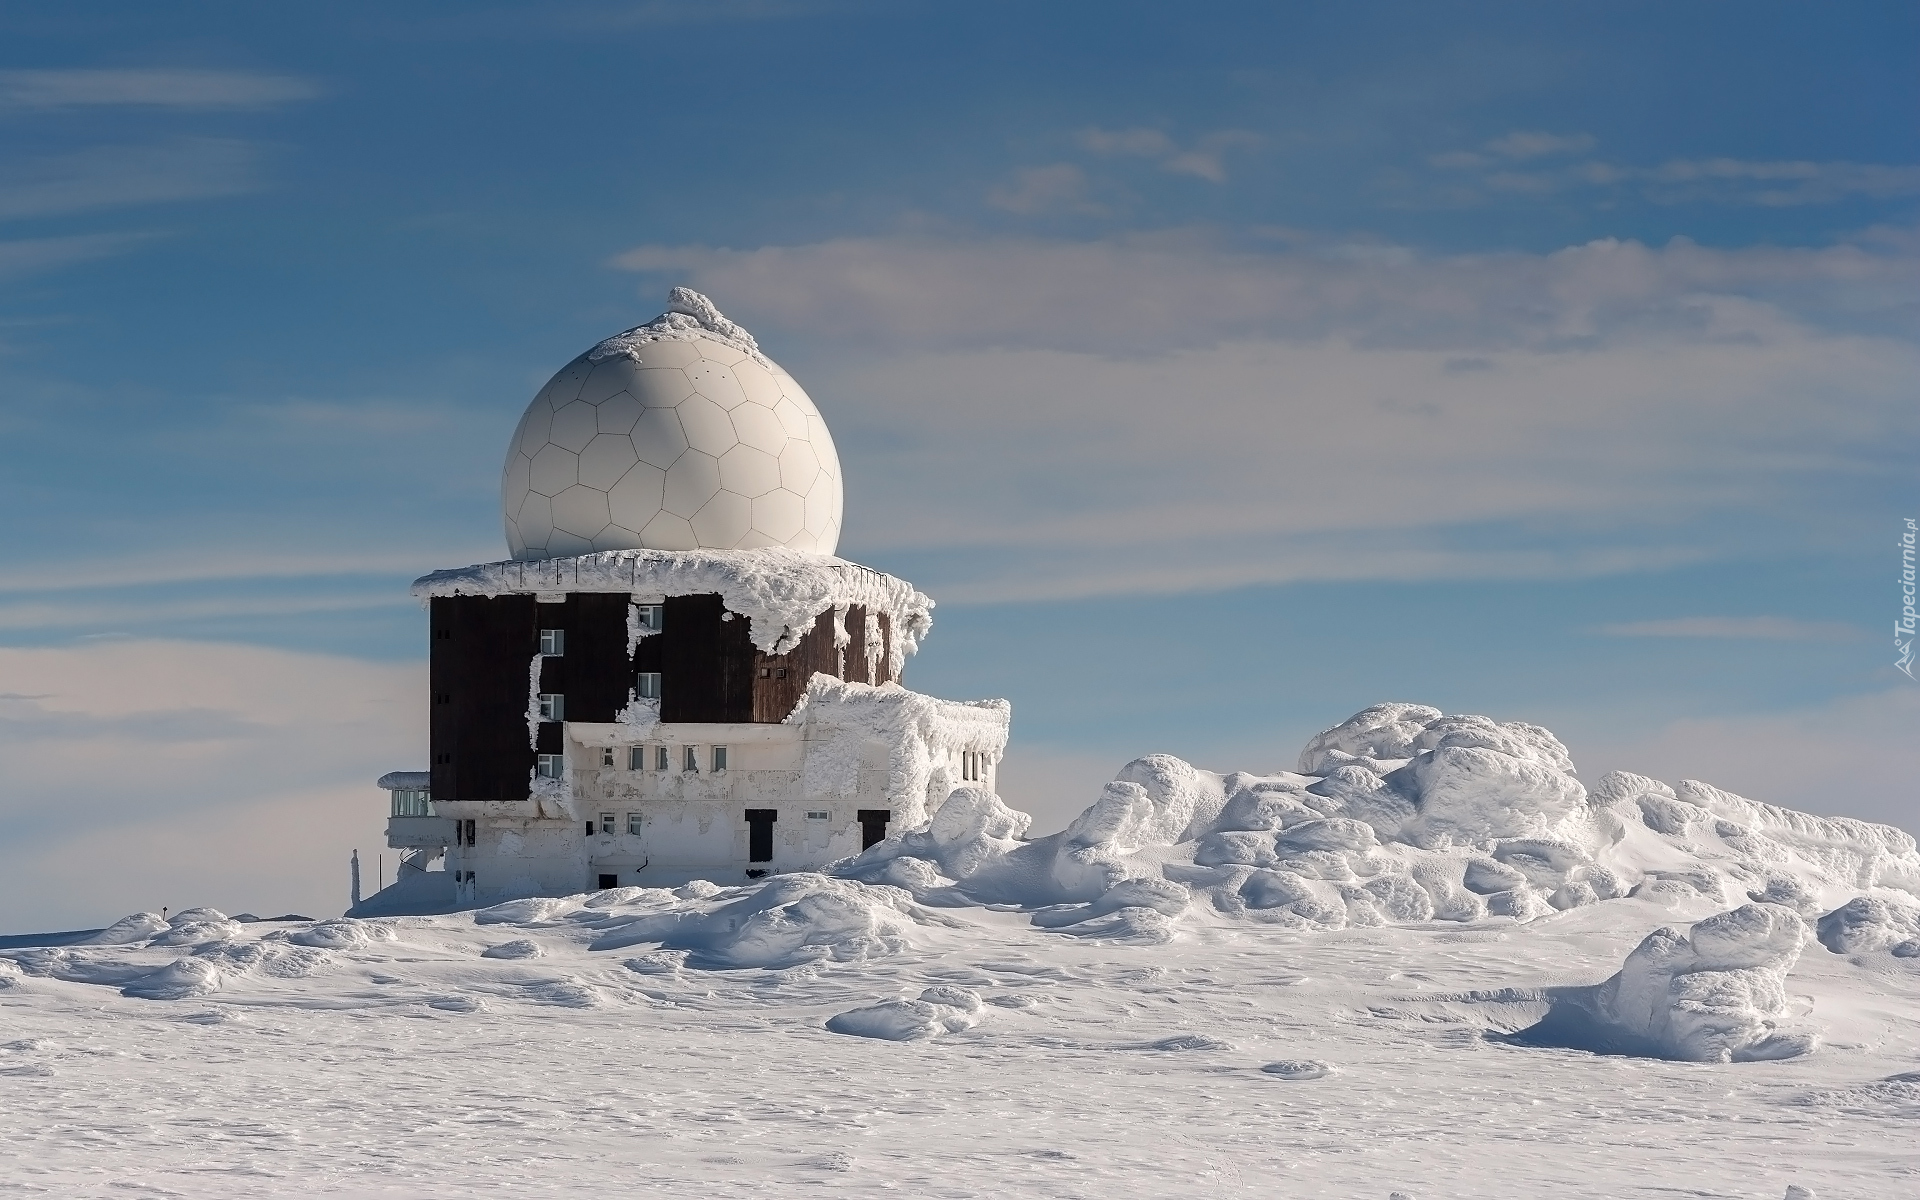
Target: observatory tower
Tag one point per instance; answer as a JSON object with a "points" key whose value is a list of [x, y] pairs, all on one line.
{"points": [[673, 677]]}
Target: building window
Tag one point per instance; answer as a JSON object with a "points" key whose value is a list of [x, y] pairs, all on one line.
{"points": [[646, 685], [760, 833], [648, 616], [719, 758], [691, 762], [973, 765], [606, 823], [820, 815], [606, 756], [553, 642], [636, 758], [553, 706], [412, 802], [633, 824], [608, 882], [549, 766], [662, 759]]}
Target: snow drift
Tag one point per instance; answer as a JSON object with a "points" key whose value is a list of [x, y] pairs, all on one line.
{"points": [[1714, 994], [1402, 814]]}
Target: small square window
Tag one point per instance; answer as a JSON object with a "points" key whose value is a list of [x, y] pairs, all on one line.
{"points": [[633, 824], [636, 758], [646, 685], [553, 706], [550, 766], [553, 642], [662, 759], [648, 616], [719, 758], [606, 756]]}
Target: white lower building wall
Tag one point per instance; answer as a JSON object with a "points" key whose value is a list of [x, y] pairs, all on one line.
{"points": [[847, 748]]}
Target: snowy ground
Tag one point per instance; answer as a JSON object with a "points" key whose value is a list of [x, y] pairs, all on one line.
{"points": [[843, 1034]]}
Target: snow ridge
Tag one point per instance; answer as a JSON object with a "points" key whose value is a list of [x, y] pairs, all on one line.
{"points": [[1403, 815]]}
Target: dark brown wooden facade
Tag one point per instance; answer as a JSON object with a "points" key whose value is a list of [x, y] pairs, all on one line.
{"points": [[483, 649]]}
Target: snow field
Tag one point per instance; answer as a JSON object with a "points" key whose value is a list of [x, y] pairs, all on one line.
{"points": [[1430, 963]]}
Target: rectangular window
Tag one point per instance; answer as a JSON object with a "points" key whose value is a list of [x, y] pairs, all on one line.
{"points": [[550, 766], [553, 642], [646, 685], [820, 815], [606, 756], [648, 616], [636, 758], [553, 706], [692, 760], [662, 758], [633, 824], [609, 882], [412, 802], [606, 823], [719, 758]]}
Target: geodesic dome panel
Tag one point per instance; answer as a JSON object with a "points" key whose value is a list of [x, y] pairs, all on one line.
{"points": [[675, 435]]}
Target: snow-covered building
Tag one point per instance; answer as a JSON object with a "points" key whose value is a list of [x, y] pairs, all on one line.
{"points": [[673, 677]]}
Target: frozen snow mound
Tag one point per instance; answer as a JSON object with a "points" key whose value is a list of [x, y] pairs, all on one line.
{"points": [[787, 921], [1715, 994], [941, 1009], [1400, 814]]}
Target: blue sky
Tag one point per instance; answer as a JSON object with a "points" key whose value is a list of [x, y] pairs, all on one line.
{"points": [[1220, 372]]}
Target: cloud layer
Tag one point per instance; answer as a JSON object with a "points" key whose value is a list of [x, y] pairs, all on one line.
{"points": [[143, 773], [1167, 413]]}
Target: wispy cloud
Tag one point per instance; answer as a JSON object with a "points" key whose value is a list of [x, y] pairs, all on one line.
{"points": [[119, 176], [190, 750], [1533, 144], [150, 87], [708, 12], [1169, 413], [1506, 166], [27, 255], [1060, 187], [1191, 291], [150, 614], [1769, 629], [197, 565], [1516, 146], [1205, 158]]}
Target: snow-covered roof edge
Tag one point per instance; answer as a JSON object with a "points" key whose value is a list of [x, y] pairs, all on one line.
{"points": [[405, 780], [780, 591]]}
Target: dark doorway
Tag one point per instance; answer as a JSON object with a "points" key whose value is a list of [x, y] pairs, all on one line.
{"points": [[760, 833], [609, 881], [873, 826]]}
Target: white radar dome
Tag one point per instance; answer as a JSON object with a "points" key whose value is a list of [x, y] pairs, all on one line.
{"points": [[675, 435]]}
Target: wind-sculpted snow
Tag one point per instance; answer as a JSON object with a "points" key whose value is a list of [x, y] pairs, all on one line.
{"points": [[1401, 815], [790, 920], [1715, 994]]}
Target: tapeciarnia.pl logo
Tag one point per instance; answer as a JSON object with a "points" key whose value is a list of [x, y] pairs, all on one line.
{"points": [[1903, 628]]}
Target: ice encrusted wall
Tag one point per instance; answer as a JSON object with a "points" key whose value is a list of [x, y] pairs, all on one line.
{"points": [[779, 591]]}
